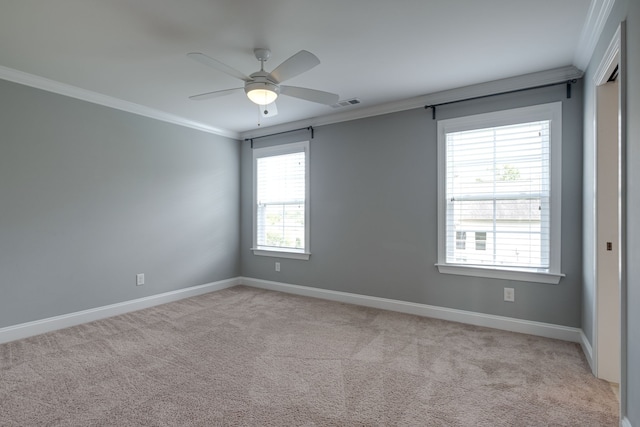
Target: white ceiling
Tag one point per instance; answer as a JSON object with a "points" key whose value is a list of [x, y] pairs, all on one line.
{"points": [[379, 51]]}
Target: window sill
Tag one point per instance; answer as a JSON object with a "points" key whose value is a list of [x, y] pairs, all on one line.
{"points": [[281, 253], [505, 274]]}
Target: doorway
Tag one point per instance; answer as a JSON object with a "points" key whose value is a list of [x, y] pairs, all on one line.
{"points": [[609, 218]]}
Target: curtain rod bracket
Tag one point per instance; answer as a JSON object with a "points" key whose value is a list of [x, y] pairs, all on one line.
{"points": [[309, 128], [569, 83], [433, 110]]}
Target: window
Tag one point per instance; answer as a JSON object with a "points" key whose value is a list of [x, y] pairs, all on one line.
{"points": [[499, 174], [280, 194], [461, 239], [481, 240]]}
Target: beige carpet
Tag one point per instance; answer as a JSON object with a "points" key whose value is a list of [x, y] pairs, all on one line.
{"points": [[250, 357]]}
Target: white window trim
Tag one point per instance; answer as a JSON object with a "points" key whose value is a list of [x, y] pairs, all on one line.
{"points": [[295, 147], [551, 111]]}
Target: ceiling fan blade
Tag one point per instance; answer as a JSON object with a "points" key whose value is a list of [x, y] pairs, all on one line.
{"points": [[312, 95], [297, 64], [215, 94], [214, 63], [270, 110]]}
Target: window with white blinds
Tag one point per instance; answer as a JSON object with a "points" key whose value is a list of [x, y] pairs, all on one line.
{"points": [[280, 201], [499, 194]]}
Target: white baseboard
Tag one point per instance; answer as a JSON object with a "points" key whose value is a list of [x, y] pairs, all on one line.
{"points": [[38, 327], [587, 350], [625, 422], [497, 322], [548, 330]]}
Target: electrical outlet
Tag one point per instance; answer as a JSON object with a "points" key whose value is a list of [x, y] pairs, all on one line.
{"points": [[139, 279], [509, 294], [277, 266]]}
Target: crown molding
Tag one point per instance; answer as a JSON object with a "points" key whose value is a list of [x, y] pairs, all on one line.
{"points": [[599, 12], [107, 101], [524, 81], [496, 86]]}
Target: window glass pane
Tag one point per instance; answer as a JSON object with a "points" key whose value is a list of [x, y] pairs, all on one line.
{"points": [[481, 240], [497, 185], [280, 201], [281, 178], [281, 226]]}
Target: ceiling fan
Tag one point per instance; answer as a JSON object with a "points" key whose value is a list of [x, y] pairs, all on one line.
{"points": [[262, 87]]}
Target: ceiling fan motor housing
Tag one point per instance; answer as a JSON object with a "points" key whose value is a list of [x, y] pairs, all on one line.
{"points": [[265, 85], [261, 83]]}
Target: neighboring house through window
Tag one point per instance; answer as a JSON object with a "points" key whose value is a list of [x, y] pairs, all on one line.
{"points": [[481, 240], [461, 239], [280, 195], [499, 182]]}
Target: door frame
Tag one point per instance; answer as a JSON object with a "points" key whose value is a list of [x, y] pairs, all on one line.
{"points": [[614, 55]]}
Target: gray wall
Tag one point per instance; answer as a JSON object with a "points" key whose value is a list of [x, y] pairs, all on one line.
{"points": [[630, 387], [90, 196], [373, 214]]}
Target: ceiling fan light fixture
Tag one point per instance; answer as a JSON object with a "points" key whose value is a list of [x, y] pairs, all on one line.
{"points": [[262, 93]]}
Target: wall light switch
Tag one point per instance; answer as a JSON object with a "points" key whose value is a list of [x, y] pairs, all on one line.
{"points": [[277, 266]]}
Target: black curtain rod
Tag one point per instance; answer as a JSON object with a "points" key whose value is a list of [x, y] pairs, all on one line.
{"points": [[433, 106], [309, 128]]}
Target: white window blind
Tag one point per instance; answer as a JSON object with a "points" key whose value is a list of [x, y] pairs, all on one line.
{"points": [[281, 187], [499, 185], [498, 192]]}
